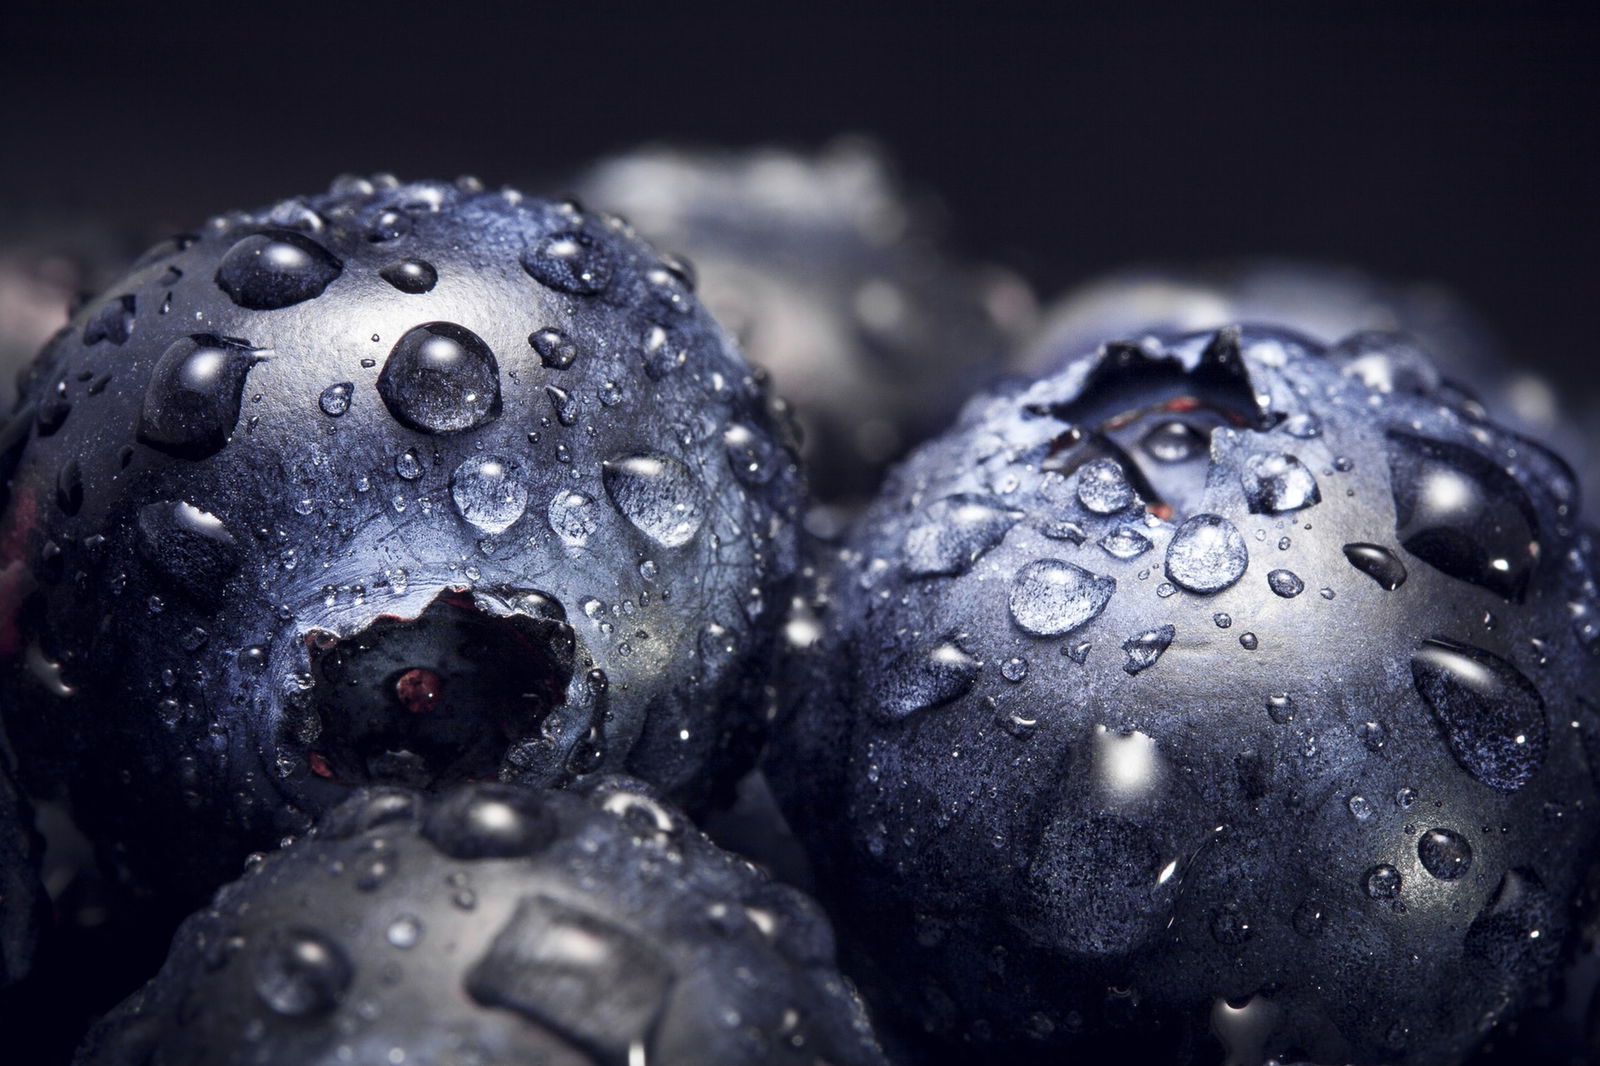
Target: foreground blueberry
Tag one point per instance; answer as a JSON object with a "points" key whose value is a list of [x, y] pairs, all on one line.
{"points": [[406, 483], [497, 924], [1216, 696], [829, 272], [22, 899]]}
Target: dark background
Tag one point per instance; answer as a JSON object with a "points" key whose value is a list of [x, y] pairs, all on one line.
{"points": [[1455, 142]]}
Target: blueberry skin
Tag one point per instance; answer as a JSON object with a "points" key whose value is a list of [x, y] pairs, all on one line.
{"points": [[495, 923], [407, 483], [830, 273], [1215, 695], [23, 903]]}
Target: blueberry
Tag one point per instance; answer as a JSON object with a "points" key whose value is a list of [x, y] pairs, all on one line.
{"points": [[1292, 712], [498, 923], [291, 509], [23, 904], [828, 272]]}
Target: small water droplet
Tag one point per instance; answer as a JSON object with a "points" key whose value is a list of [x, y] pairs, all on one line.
{"points": [[922, 679], [408, 465], [1248, 641], [1014, 669], [335, 399], [192, 401], [414, 276], [404, 932], [1285, 583], [751, 455], [574, 517], [556, 350], [113, 322], [1382, 882], [1174, 441], [301, 972], [1378, 563], [1125, 543], [1223, 619], [1280, 708], [1360, 808]]}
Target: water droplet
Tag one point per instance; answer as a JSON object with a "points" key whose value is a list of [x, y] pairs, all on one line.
{"points": [[563, 404], [489, 493], [1492, 716], [441, 378], [1125, 543], [188, 545], [301, 972], [408, 465], [1378, 563], [1360, 808], [1285, 583], [404, 932], [1280, 708], [335, 399], [1248, 641], [572, 262], [69, 487], [1174, 441], [659, 495], [1303, 425], [1374, 735], [1275, 484], [1146, 648], [574, 517], [1223, 619], [412, 276], [554, 964], [1051, 597], [191, 403], [1103, 488], [275, 269], [113, 322], [1014, 669], [1207, 554], [1405, 797], [1463, 514], [921, 679], [953, 533], [1382, 882], [1444, 853], [389, 225], [751, 455], [490, 822], [555, 348]]}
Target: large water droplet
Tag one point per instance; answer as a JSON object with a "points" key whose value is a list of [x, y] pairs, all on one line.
{"points": [[1445, 853], [1207, 554], [301, 972], [659, 495], [441, 378], [921, 679], [489, 493], [571, 972], [1492, 716], [1460, 512], [1051, 597], [191, 403], [192, 548], [1144, 649], [1275, 484], [574, 517], [414, 276], [266, 271], [1103, 488], [572, 262], [954, 532], [1378, 563]]}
